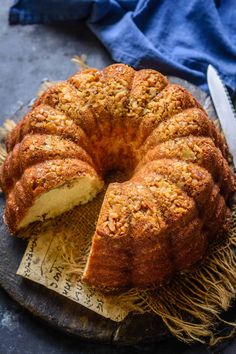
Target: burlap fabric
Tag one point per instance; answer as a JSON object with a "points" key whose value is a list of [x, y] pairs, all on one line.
{"points": [[190, 305]]}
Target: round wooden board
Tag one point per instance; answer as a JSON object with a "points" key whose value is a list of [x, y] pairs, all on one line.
{"points": [[68, 315]]}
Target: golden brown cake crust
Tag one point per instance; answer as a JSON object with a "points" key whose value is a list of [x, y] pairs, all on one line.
{"points": [[175, 203], [34, 149], [39, 179]]}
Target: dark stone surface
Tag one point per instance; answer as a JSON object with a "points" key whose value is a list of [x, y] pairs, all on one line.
{"points": [[28, 54]]}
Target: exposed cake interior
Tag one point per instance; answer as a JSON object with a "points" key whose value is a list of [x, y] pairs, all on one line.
{"points": [[175, 200], [59, 200]]}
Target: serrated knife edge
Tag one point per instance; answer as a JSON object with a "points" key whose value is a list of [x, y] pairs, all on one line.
{"points": [[224, 108]]}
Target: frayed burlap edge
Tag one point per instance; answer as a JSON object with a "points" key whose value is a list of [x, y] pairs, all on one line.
{"points": [[191, 304]]}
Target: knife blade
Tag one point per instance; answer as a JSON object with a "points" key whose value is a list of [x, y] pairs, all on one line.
{"points": [[224, 108]]}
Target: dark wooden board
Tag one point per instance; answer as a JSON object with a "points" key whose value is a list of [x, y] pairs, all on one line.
{"points": [[68, 315]]}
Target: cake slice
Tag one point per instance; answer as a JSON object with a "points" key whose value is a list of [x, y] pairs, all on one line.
{"points": [[48, 189]]}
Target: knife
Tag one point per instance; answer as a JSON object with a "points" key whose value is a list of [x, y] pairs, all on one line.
{"points": [[224, 108]]}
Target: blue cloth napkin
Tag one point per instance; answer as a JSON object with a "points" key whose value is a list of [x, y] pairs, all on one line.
{"points": [[176, 37]]}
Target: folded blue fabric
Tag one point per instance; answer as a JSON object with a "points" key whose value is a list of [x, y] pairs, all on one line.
{"points": [[175, 37]]}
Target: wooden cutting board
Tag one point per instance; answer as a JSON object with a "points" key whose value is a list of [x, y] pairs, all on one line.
{"points": [[68, 315]]}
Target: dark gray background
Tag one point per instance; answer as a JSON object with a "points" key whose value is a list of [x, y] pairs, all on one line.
{"points": [[27, 55]]}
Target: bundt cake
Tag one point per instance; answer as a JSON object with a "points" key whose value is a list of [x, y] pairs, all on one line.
{"points": [[175, 200]]}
